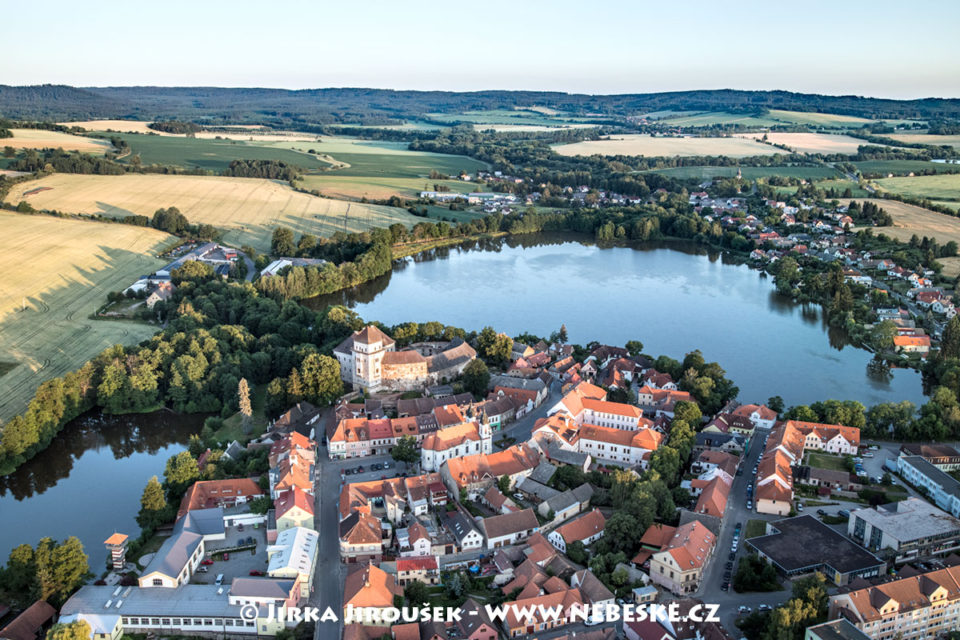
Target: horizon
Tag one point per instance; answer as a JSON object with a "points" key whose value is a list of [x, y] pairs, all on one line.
{"points": [[607, 49], [486, 90]]}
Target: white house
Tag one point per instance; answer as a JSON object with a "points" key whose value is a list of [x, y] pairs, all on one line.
{"points": [[455, 441], [587, 529]]}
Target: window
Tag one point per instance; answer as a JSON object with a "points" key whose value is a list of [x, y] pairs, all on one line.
{"points": [[158, 582]]}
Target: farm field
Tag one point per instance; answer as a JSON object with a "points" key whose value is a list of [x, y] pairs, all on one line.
{"points": [[353, 188], [909, 219], [506, 116], [903, 167], [43, 139], [645, 145], [367, 158], [939, 187], [121, 126], [922, 138], [829, 120], [530, 127], [842, 185], [708, 118], [749, 173], [951, 266], [247, 209], [213, 155], [71, 266], [812, 142]]}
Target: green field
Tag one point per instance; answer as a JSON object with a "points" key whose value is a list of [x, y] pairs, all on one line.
{"points": [[367, 158], [903, 167], [708, 118], [506, 116], [828, 120], [333, 185], [944, 187], [855, 189], [213, 155], [826, 461], [924, 138], [749, 173]]}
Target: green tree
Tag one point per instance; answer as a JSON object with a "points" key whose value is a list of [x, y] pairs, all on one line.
{"points": [[577, 552], [320, 376], [405, 450], [76, 630], [153, 498], [476, 377], [503, 484], [883, 334], [634, 347], [261, 505], [281, 243], [950, 344], [181, 471], [416, 594], [775, 403], [61, 568]]}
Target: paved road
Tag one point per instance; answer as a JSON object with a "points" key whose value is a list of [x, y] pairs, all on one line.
{"points": [[251, 267], [710, 591]]}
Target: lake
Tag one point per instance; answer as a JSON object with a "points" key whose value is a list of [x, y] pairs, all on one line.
{"points": [[88, 482], [672, 297]]}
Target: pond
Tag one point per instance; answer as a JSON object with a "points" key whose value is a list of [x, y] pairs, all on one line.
{"points": [[88, 482], [672, 297]]}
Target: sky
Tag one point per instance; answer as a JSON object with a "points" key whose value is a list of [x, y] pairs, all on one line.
{"points": [[864, 47]]}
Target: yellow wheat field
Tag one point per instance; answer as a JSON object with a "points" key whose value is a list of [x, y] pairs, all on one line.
{"points": [[645, 145], [56, 272], [247, 209], [120, 126], [43, 139]]}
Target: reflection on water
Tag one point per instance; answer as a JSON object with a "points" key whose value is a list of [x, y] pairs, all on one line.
{"points": [[674, 297], [89, 480]]}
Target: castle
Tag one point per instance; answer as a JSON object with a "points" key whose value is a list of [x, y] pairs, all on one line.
{"points": [[369, 360]]}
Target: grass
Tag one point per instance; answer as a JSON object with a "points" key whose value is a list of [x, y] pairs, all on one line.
{"points": [[212, 155], [333, 185], [367, 158], [645, 145], [904, 167], [232, 428], [813, 142], [826, 461], [62, 270], [247, 209], [519, 117], [940, 187], [43, 139], [755, 528], [749, 173]]}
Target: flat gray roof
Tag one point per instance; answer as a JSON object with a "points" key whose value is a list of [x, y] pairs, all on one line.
{"points": [[188, 600], [909, 519]]}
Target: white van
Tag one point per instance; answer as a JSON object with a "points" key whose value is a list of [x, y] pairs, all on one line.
{"points": [[219, 579]]}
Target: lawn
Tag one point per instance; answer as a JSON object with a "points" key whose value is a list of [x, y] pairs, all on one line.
{"points": [[43, 139], [940, 187], [352, 157], [903, 167], [232, 428], [645, 145], [749, 173], [333, 185], [212, 155], [755, 528], [56, 273], [826, 461], [247, 209]]}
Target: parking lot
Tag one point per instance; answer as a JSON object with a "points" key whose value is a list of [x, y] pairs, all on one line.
{"points": [[241, 563]]}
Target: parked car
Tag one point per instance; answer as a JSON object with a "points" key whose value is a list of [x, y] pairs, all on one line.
{"points": [[843, 513], [257, 572], [202, 569], [874, 447], [764, 607], [226, 556], [725, 586], [732, 555], [219, 579], [749, 504], [729, 566], [207, 561], [744, 609], [868, 455], [240, 527], [360, 469], [518, 496], [387, 464], [821, 512], [799, 506]]}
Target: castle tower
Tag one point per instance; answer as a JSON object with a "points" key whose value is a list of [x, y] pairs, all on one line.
{"points": [[486, 436], [117, 546]]}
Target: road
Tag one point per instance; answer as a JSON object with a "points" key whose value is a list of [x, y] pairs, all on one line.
{"points": [[331, 573]]}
